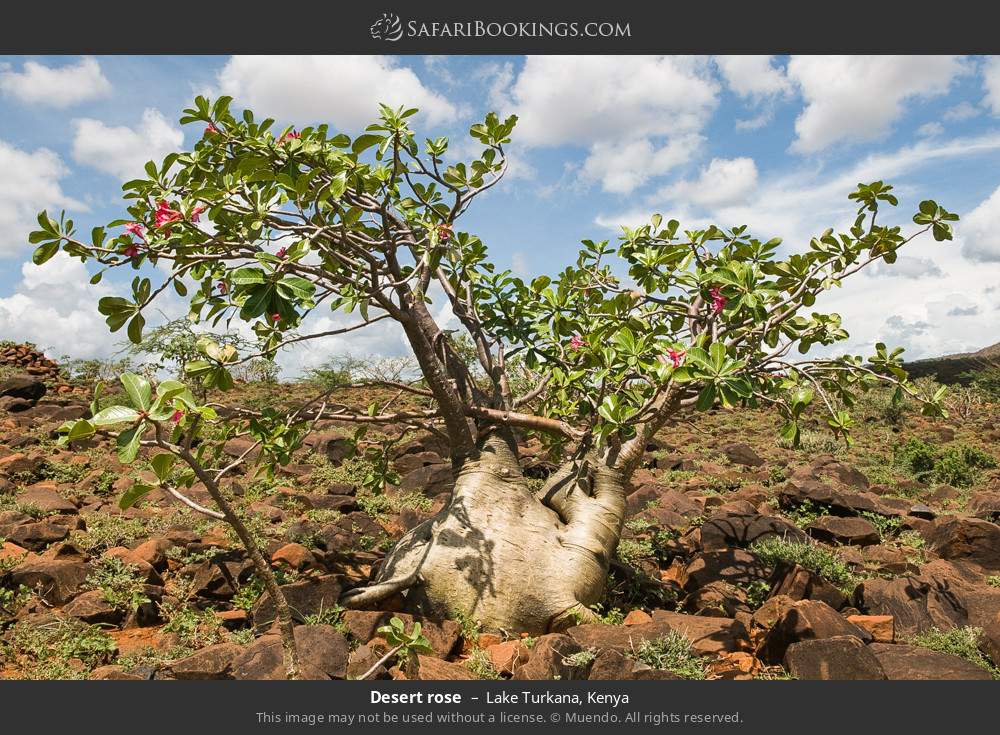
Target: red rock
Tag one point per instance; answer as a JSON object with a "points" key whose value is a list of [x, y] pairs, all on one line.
{"points": [[637, 617], [881, 627]]}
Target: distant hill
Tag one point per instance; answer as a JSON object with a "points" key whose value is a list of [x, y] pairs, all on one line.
{"points": [[947, 369]]}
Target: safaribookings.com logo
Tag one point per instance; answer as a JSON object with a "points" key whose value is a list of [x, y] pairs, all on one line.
{"points": [[391, 28]]}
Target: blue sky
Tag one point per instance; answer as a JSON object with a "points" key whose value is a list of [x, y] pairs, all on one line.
{"points": [[773, 142]]}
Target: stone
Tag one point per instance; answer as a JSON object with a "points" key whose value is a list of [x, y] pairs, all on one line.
{"points": [[294, 556], [838, 658], [612, 665], [806, 620], [724, 530], [323, 654], [154, 552], [708, 636], [91, 607], [430, 668], [882, 628], [443, 635], [506, 657], [716, 599], [211, 662], [985, 505], [362, 660], [430, 480], [917, 603], [969, 539], [548, 659], [851, 531], [903, 662], [36, 536], [799, 583], [56, 581], [114, 673], [306, 597], [45, 497], [637, 617], [23, 386], [743, 454], [734, 566]]}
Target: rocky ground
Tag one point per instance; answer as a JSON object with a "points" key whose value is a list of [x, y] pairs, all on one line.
{"points": [[741, 559]]}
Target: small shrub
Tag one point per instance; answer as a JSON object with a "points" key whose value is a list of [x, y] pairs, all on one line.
{"points": [[631, 551], [887, 526], [120, 584], [614, 616], [580, 658], [815, 558], [993, 580], [672, 653], [756, 592], [962, 642], [958, 465], [44, 650], [195, 628], [806, 512], [479, 663]]}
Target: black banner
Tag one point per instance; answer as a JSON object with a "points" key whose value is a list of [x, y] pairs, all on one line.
{"points": [[449, 27], [250, 708]]}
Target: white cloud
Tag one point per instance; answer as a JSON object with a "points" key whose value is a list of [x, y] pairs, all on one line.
{"points": [[981, 231], [724, 182], [907, 266], [858, 98], [342, 90], [55, 307], [622, 166], [639, 116], [753, 77], [58, 87], [123, 151], [29, 182], [961, 111], [930, 129], [991, 83]]}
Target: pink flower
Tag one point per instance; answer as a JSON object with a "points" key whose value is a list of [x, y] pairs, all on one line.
{"points": [[575, 342], [196, 213], [136, 228], [165, 215], [210, 129], [290, 135], [676, 357], [718, 300], [275, 318], [178, 415], [131, 251], [223, 287], [282, 252], [444, 233]]}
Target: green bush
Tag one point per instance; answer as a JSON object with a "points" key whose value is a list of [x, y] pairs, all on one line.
{"points": [[962, 642], [817, 559], [957, 465], [672, 653], [120, 583]]}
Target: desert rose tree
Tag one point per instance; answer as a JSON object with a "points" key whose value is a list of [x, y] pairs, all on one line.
{"points": [[273, 225]]}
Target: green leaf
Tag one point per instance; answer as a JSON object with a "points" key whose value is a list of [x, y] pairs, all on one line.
{"points": [[128, 444], [138, 389], [364, 142], [162, 463], [114, 415], [43, 253], [79, 430], [133, 495]]}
